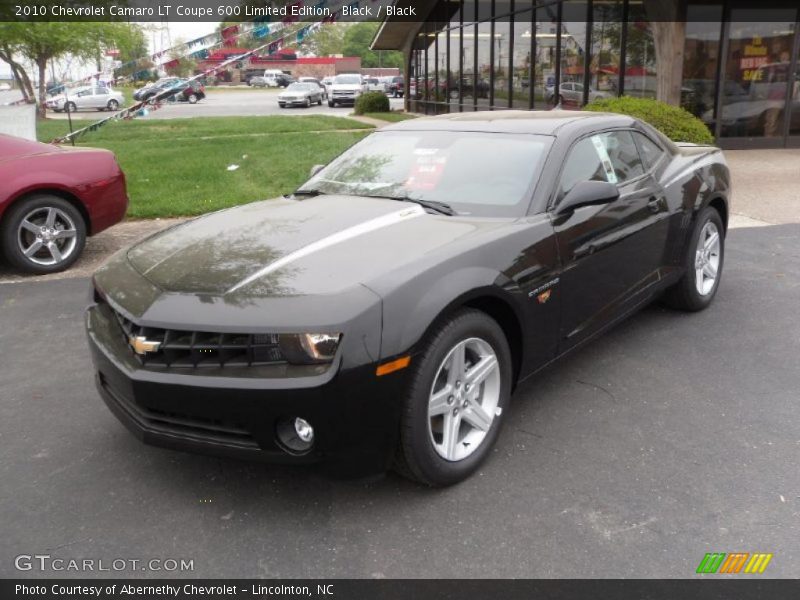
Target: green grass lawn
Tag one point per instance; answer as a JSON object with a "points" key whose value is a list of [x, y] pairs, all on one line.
{"points": [[179, 167], [392, 117]]}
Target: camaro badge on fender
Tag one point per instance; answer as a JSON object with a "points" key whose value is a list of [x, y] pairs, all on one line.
{"points": [[543, 292], [141, 345]]}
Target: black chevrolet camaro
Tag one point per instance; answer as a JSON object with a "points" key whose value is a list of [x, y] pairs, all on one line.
{"points": [[382, 315]]}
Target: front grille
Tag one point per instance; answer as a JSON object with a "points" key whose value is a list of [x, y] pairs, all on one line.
{"points": [[194, 349], [220, 431]]}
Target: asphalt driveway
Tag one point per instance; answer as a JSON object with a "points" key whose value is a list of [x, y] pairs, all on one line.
{"points": [[672, 436]]}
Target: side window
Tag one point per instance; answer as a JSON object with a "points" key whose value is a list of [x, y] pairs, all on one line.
{"points": [[649, 150], [583, 164], [623, 154]]}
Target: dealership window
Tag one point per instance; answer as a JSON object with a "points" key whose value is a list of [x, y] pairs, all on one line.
{"points": [[757, 79], [794, 96], [701, 61], [640, 54], [546, 39], [503, 46], [484, 72], [573, 53], [522, 64], [606, 35]]}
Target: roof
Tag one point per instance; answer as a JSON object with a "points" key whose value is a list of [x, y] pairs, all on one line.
{"points": [[543, 122]]}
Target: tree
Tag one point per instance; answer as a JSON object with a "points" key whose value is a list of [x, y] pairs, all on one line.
{"points": [[357, 39], [667, 21], [42, 42], [328, 39]]}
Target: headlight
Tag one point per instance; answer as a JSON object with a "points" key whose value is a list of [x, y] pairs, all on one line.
{"points": [[309, 348]]}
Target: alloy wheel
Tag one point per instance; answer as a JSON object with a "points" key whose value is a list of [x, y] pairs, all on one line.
{"points": [[706, 262], [47, 236], [464, 398]]}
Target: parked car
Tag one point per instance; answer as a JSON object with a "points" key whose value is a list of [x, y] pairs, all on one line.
{"points": [[468, 88], [192, 92], [88, 97], [258, 81], [397, 87], [284, 80], [317, 82], [300, 94], [345, 89], [373, 84], [571, 94], [51, 198], [5, 87], [327, 82], [151, 89], [182, 90], [383, 313]]}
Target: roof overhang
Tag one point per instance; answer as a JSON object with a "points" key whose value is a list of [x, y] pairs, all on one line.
{"points": [[396, 32]]}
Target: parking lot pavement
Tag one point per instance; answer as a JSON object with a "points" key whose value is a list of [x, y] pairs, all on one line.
{"points": [[672, 436], [237, 103]]}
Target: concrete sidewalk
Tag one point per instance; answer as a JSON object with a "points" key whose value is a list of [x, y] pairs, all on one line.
{"points": [[766, 184]]}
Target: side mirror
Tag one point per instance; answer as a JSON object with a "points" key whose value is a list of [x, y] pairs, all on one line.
{"points": [[588, 193], [315, 169]]}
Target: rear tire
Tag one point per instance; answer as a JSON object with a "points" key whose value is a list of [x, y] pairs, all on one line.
{"points": [[21, 230], [703, 257], [444, 396]]}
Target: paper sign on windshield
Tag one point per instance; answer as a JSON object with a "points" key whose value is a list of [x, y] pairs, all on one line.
{"points": [[427, 169], [600, 148]]}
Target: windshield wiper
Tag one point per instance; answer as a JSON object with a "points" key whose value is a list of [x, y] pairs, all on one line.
{"points": [[440, 207]]}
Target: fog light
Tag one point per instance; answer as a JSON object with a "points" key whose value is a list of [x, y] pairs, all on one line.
{"points": [[304, 430], [296, 435]]}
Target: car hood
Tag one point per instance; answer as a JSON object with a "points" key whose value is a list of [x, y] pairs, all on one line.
{"points": [[288, 247], [346, 86]]}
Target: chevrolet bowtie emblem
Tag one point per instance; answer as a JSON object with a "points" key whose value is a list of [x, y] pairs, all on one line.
{"points": [[141, 345]]}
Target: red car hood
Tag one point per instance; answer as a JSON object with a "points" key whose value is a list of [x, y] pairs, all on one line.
{"points": [[13, 148]]}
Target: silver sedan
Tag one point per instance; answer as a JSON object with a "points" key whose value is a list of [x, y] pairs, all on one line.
{"points": [[300, 94], [89, 97]]}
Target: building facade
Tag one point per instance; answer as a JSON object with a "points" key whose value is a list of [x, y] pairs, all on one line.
{"points": [[738, 67]]}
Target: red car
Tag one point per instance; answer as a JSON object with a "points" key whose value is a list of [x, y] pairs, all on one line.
{"points": [[51, 198]]}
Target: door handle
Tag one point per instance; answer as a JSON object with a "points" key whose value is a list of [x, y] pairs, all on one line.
{"points": [[654, 204]]}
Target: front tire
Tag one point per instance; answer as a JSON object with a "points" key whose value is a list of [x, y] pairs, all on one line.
{"points": [[42, 234], [331, 103], [70, 107], [459, 391], [703, 261], [192, 98], [113, 105]]}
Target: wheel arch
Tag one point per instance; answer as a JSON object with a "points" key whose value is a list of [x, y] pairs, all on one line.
{"points": [[51, 191], [719, 204], [496, 303]]}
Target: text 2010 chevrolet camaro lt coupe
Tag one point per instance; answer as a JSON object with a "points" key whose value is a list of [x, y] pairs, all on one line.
{"points": [[382, 315]]}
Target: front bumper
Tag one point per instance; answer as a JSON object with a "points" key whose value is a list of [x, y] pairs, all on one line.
{"points": [[293, 102], [230, 412], [344, 99]]}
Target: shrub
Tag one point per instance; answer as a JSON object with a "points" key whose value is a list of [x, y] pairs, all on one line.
{"points": [[677, 124], [370, 102]]}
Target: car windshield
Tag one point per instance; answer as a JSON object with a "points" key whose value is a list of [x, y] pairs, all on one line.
{"points": [[348, 79], [483, 174]]}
